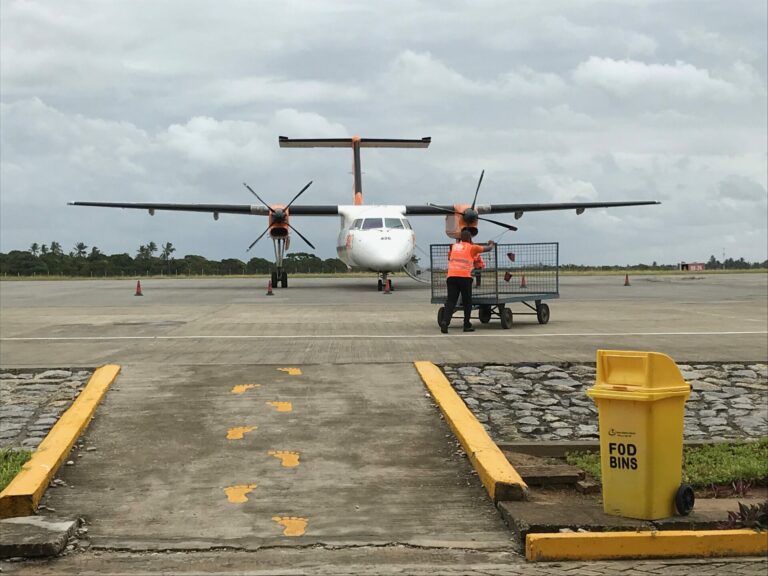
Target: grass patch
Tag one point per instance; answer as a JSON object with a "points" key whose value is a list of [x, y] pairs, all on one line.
{"points": [[11, 462], [721, 463]]}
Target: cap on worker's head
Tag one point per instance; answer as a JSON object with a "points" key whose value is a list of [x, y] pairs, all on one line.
{"points": [[466, 235]]}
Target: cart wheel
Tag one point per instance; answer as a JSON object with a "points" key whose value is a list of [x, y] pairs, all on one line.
{"points": [[684, 500], [484, 313], [506, 318], [542, 313], [440, 315]]}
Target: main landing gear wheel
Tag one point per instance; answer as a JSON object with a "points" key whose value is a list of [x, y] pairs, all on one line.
{"points": [[506, 318], [484, 313], [440, 315], [684, 500], [284, 279], [542, 313], [381, 285], [274, 279]]}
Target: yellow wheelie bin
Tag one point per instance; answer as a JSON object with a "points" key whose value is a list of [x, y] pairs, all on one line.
{"points": [[640, 399]]}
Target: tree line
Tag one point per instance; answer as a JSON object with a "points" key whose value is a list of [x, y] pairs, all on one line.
{"points": [[711, 264], [150, 260]]}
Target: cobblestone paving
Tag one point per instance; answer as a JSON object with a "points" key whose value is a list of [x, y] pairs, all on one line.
{"points": [[31, 402], [549, 401]]}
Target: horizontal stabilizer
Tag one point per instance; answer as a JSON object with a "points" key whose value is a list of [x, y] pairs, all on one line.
{"points": [[286, 142]]}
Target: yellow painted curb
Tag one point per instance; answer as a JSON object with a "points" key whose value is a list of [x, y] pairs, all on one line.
{"points": [[21, 496], [500, 479], [666, 544]]}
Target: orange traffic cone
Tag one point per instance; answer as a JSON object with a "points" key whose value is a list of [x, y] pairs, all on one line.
{"points": [[387, 286], [626, 280], [138, 288], [523, 283], [269, 288]]}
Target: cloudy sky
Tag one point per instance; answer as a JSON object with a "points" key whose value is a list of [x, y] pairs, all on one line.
{"points": [[558, 100]]}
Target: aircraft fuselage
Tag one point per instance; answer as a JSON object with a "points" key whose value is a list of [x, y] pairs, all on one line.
{"points": [[376, 238]]}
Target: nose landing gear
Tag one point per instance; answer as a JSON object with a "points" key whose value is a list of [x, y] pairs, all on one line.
{"points": [[383, 282]]}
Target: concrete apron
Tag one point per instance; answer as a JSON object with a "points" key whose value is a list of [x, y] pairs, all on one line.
{"points": [[194, 457]]}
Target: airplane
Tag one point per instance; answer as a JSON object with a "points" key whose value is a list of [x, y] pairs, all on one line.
{"points": [[373, 237]]}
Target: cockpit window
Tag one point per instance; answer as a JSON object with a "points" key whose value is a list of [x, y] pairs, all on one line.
{"points": [[356, 224], [393, 223], [371, 223]]}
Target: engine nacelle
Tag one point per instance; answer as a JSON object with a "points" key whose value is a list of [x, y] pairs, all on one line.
{"points": [[456, 222], [278, 221]]}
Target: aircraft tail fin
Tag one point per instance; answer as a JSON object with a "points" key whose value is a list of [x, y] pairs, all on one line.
{"points": [[355, 142]]}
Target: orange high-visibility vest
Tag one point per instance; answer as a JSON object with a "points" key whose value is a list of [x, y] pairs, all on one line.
{"points": [[460, 259], [479, 263]]}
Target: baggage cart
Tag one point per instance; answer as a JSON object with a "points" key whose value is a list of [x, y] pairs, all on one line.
{"points": [[524, 273]]}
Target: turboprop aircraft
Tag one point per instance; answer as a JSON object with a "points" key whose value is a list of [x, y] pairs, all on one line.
{"points": [[377, 238]]}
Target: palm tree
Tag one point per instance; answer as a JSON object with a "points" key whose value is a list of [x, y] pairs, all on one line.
{"points": [[44, 249], [80, 250], [151, 248], [165, 255], [143, 252], [34, 249], [168, 249], [56, 248]]}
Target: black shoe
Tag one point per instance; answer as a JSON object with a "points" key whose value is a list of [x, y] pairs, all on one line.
{"points": [[443, 327], [469, 328]]}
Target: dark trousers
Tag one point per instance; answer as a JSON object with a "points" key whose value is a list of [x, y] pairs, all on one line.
{"points": [[456, 286]]}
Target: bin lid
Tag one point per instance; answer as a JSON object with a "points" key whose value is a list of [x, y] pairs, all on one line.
{"points": [[631, 375]]}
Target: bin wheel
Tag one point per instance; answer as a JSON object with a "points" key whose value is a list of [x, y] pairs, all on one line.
{"points": [[484, 313], [506, 318], [440, 314], [684, 500], [542, 313]]}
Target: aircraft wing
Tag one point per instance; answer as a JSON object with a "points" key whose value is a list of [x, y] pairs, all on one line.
{"points": [[519, 209], [257, 209]]}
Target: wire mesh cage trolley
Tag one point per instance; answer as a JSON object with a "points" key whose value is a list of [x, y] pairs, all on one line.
{"points": [[525, 273]]}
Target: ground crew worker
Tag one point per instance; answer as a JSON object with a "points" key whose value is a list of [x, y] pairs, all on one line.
{"points": [[460, 262], [478, 266]]}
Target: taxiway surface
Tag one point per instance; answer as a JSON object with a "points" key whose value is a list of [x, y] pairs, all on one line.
{"points": [[375, 465]]}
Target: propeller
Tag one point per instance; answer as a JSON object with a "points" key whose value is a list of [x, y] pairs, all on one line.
{"points": [[279, 215], [470, 215]]}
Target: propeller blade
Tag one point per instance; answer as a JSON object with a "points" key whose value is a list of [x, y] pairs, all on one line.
{"points": [[299, 194], [301, 236], [502, 224], [257, 239], [259, 197], [478, 188], [443, 209]]}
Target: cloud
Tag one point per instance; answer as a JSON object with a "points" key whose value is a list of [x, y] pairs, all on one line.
{"points": [[742, 189], [632, 78], [239, 91], [421, 76], [567, 189]]}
